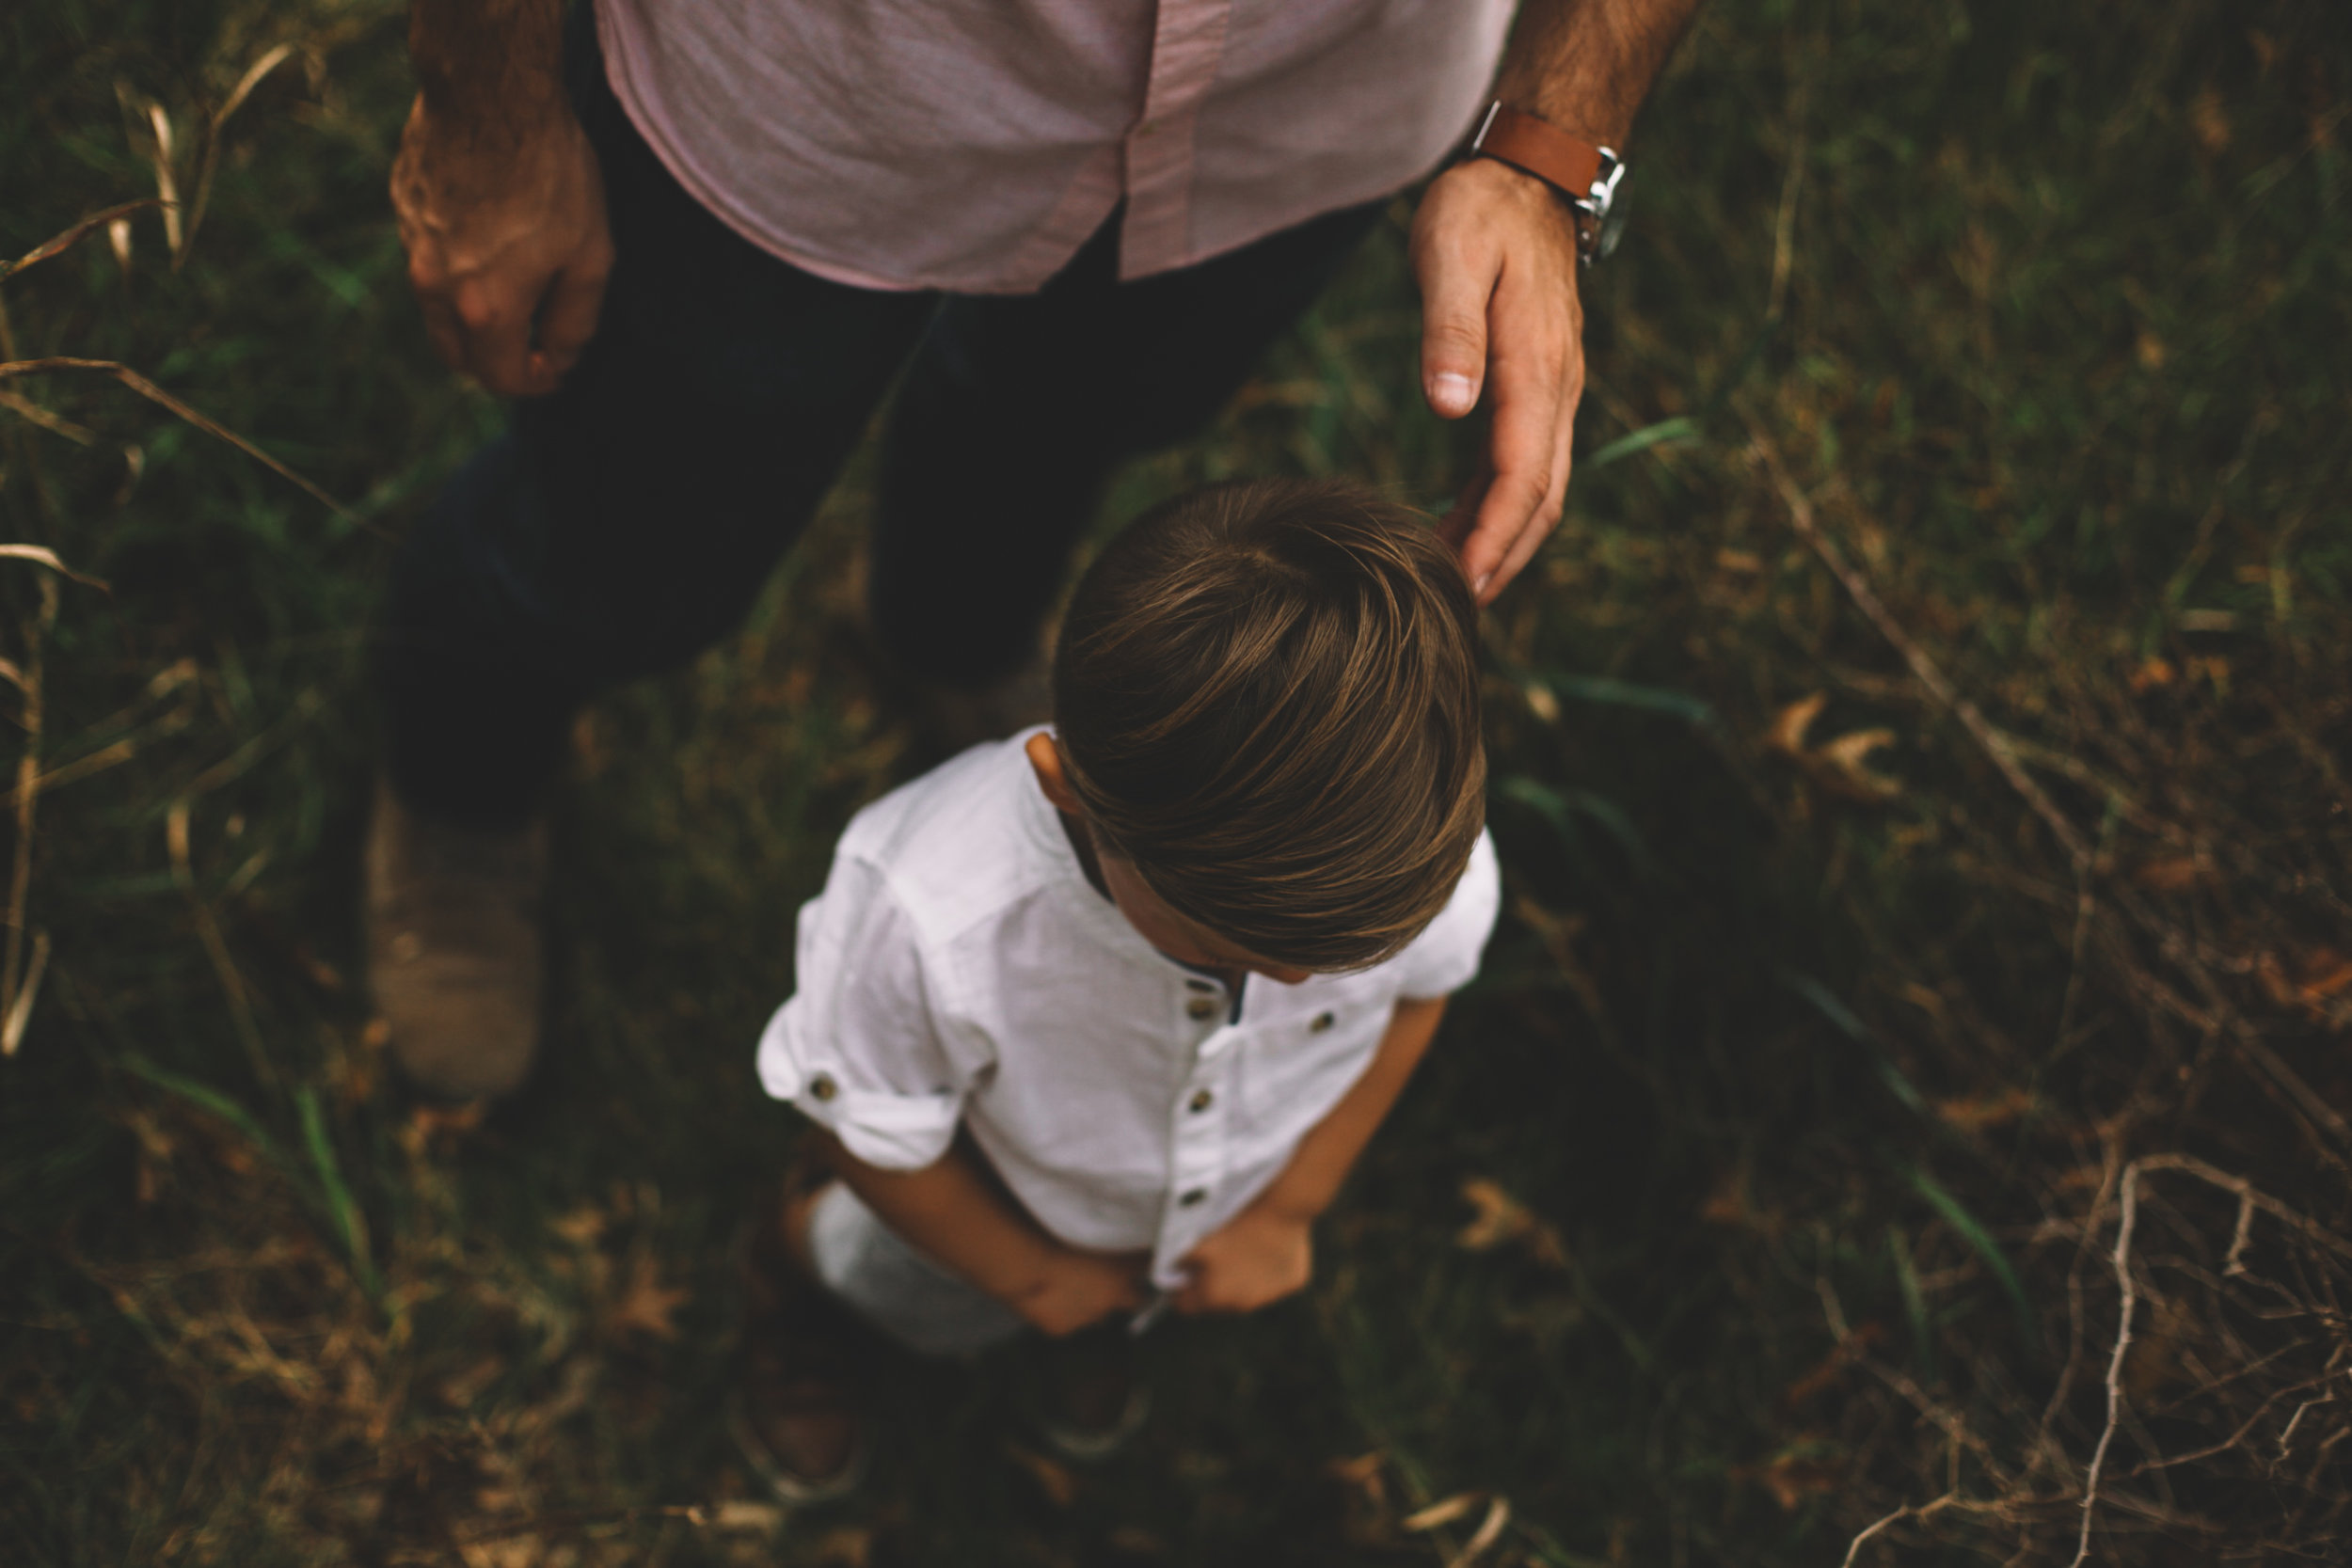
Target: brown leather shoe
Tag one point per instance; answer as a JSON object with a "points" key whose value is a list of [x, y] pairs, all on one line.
{"points": [[800, 1412], [454, 948], [1090, 1393]]}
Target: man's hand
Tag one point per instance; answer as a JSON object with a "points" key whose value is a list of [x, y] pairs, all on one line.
{"points": [[508, 248], [1077, 1289], [1260, 1257], [1494, 251]]}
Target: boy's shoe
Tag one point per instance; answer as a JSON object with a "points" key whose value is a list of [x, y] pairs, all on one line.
{"points": [[1091, 1399], [454, 947], [800, 1416], [805, 1437]]}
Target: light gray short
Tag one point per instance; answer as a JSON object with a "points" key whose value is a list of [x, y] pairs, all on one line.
{"points": [[905, 1294]]}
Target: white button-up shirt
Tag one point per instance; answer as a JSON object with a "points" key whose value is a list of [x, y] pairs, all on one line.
{"points": [[972, 145], [959, 970]]}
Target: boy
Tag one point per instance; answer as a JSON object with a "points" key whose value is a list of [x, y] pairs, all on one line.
{"points": [[1095, 1019]]}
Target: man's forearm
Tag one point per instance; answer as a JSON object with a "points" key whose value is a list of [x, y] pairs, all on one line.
{"points": [[1586, 65], [491, 70]]}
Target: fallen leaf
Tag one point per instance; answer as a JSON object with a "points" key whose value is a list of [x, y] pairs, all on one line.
{"points": [[849, 1545], [1501, 1220], [1840, 766], [1489, 1531], [1832, 1367], [461, 1391], [1845, 767], [1789, 725], [1443, 1512], [1975, 1114], [2177, 874], [644, 1304], [2153, 1358], [1729, 1204], [1053, 1477], [1797, 1472], [742, 1513], [582, 1226], [1366, 1473], [2326, 973], [2209, 121], [2153, 673]]}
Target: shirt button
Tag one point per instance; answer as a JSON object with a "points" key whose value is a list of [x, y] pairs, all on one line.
{"points": [[1192, 1198], [822, 1087], [1201, 1006], [1323, 1021], [1200, 1102]]}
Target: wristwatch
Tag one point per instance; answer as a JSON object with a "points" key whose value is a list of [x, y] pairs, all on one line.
{"points": [[1585, 176]]}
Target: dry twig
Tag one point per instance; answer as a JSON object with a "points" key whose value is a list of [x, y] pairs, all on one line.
{"points": [[1996, 745], [153, 393]]}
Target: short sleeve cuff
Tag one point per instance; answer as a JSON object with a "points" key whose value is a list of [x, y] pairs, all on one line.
{"points": [[886, 1129]]}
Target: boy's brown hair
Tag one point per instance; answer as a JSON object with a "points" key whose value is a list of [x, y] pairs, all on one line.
{"points": [[1266, 695]]}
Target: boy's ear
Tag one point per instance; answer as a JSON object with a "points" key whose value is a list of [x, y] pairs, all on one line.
{"points": [[1045, 760]]}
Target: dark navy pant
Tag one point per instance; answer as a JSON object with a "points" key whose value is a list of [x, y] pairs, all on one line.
{"points": [[627, 521]]}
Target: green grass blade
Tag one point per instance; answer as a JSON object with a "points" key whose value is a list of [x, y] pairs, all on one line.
{"points": [[1986, 1247], [1832, 1007], [1680, 428], [1561, 807], [1617, 693], [351, 1225], [205, 1098], [1915, 1302]]}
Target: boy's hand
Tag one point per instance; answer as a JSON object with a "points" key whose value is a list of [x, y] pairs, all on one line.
{"points": [[1260, 1257], [1075, 1290]]}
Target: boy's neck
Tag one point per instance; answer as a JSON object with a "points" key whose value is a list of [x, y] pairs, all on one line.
{"points": [[1082, 846]]}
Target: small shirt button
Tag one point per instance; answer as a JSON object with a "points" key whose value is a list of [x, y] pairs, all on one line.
{"points": [[822, 1087], [1192, 1197], [1201, 1006], [1323, 1021], [1200, 1100]]}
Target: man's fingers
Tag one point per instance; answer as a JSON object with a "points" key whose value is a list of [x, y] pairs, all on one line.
{"points": [[568, 318], [1522, 448], [1456, 285], [497, 339], [1538, 526]]}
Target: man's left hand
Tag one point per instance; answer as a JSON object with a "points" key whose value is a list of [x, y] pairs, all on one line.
{"points": [[1494, 251]]}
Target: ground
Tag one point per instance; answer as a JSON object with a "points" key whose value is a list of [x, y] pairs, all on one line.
{"points": [[1908, 1092]]}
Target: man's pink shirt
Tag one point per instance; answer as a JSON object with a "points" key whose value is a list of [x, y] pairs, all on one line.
{"points": [[973, 145]]}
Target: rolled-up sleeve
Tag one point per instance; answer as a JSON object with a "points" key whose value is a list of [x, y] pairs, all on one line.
{"points": [[1444, 957], [859, 1047]]}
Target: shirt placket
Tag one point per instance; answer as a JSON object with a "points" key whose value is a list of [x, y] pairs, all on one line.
{"points": [[1188, 42], [1198, 1146]]}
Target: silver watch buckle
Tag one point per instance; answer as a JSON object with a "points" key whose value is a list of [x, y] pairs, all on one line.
{"points": [[1597, 204]]}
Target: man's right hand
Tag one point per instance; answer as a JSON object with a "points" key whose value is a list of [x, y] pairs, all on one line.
{"points": [[508, 249]]}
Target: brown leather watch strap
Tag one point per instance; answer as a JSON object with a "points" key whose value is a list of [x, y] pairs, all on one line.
{"points": [[1537, 146]]}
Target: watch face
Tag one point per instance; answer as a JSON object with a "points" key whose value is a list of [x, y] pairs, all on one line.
{"points": [[1612, 224]]}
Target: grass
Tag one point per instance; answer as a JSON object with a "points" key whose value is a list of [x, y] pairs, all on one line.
{"points": [[1813, 1069]]}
